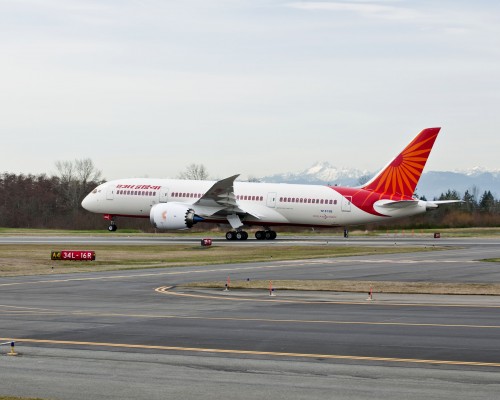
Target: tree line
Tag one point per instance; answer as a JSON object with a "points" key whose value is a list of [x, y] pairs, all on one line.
{"points": [[54, 202], [43, 201], [477, 210]]}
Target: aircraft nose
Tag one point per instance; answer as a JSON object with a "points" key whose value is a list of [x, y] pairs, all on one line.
{"points": [[90, 201], [86, 202]]}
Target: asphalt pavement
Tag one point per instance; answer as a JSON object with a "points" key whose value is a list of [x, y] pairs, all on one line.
{"points": [[138, 334]]}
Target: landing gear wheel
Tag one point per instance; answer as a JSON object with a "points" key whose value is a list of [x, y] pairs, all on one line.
{"points": [[241, 235], [112, 228], [259, 235], [267, 235], [236, 235]]}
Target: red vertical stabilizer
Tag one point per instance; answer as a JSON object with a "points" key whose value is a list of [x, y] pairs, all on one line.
{"points": [[399, 179]]}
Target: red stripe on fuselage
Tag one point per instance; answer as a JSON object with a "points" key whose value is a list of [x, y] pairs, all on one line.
{"points": [[365, 199]]}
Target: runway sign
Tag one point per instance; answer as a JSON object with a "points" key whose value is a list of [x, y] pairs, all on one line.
{"points": [[73, 255]]}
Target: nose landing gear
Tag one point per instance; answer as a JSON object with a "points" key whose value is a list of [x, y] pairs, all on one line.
{"points": [[112, 225]]}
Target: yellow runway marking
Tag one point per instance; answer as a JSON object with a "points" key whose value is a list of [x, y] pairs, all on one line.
{"points": [[252, 352], [30, 311], [166, 290]]}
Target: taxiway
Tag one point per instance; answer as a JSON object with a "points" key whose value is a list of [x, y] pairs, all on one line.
{"points": [[140, 334]]}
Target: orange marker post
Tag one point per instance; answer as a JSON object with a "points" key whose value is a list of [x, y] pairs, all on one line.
{"points": [[271, 289]]}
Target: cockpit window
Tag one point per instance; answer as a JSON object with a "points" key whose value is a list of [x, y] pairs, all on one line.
{"points": [[94, 191]]}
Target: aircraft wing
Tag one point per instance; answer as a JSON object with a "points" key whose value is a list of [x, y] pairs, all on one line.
{"points": [[220, 198], [220, 194]]}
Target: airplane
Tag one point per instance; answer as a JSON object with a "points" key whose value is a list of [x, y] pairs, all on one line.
{"points": [[175, 204]]}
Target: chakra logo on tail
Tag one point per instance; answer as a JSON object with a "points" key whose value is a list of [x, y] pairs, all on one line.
{"points": [[399, 179]]}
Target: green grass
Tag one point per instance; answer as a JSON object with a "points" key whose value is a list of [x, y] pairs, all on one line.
{"points": [[466, 232], [18, 398], [59, 232], [103, 232], [35, 259]]}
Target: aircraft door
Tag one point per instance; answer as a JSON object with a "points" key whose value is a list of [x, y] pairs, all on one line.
{"points": [[346, 203], [163, 195], [110, 192], [271, 199]]}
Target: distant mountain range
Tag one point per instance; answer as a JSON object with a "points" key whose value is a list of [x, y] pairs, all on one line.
{"points": [[431, 184]]}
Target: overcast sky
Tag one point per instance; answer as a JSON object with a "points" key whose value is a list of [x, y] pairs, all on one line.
{"points": [[256, 87]]}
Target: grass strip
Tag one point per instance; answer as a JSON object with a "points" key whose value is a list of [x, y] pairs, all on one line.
{"points": [[31, 259], [492, 289], [18, 398]]}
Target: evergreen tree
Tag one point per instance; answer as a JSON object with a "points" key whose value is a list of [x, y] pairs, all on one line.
{"points": [[470, 201], [487, 202], [449, 195]]}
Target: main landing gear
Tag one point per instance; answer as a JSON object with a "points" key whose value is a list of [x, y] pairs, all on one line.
{"points": [[239, 234], [236, 235], [259, 235], [265, 235]]}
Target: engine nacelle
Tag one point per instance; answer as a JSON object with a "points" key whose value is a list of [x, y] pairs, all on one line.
{"points": [[173, 216]]}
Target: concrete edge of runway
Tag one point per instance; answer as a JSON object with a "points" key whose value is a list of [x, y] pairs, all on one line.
{"points": [[327, 297]]}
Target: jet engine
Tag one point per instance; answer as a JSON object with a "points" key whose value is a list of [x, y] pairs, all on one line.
{"points": [[173, 216]]}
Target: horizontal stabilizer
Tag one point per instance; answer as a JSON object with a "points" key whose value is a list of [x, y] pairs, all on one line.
{"points": [[436, 203], [396, 204]]}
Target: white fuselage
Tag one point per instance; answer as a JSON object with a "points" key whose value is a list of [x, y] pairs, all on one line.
{"points": [[267, 204]]}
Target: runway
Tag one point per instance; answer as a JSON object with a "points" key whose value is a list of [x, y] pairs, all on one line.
{"points": [[149, 336]]}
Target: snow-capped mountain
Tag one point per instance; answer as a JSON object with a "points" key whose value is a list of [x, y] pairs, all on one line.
{"points": [[432, 184], [478, 171], [321, 173]]}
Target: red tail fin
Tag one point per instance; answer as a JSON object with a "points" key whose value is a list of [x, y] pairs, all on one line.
{"points": [[400, 177]]}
